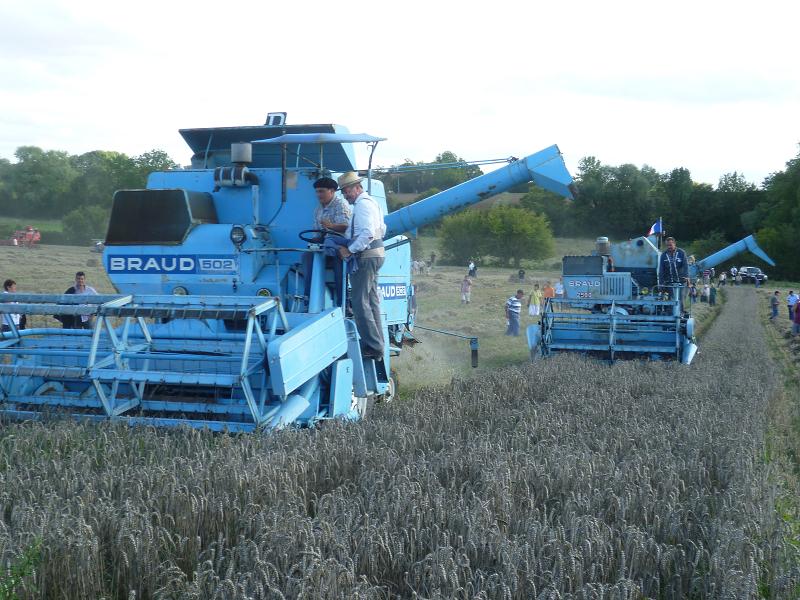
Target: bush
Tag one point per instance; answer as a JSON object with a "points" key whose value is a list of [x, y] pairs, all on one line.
{"points": [[83, 224]]}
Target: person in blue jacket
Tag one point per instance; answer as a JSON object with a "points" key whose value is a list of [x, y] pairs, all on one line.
{"points": [[673, 268]]}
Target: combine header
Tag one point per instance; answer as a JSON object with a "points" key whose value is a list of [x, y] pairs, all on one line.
{"points": [[614, 304], [210, 327]]}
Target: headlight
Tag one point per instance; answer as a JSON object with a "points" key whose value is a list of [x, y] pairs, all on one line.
{"points": [[179, 290], [263, 292], [238, 235]]}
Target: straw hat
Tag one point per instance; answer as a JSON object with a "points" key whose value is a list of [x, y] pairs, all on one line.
{"points": [[348, 179]]}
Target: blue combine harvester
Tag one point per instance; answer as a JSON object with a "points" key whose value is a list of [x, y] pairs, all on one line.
{"points": [[615, 306], [210, 327]]}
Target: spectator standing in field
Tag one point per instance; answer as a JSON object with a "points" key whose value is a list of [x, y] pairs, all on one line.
{"points": [[80, 288], [722, 277], [791, 303], [712, 296], [692, 293], [433, 259], [466, 290], [734, 272], [10, 287], [521, 275], [773, 303], [559, 289], [513, 308], [535, 301], [472, 270], [796, 322], [547, 293], [706, 292]]}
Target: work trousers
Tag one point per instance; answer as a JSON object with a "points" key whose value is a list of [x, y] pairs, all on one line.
{"points": [[367, 303], [513, 324]]}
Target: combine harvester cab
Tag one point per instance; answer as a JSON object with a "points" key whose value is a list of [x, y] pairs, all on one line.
{"points": [[212, 327], [614, 305]]}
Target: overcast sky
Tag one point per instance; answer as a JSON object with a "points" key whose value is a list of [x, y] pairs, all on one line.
{"points": [[711, 86]]}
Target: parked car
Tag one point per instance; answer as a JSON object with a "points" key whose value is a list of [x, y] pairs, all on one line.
{"points": [[751, 274]]}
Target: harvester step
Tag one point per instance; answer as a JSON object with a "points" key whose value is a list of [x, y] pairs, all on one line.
{"points": [[43, 371], [167, 377], [146, 405]]}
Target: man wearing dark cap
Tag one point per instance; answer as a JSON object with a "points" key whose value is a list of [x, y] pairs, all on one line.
{"points": [[331, 214]]}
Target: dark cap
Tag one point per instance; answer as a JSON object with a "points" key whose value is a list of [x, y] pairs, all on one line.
{"points": [[326, 182]]}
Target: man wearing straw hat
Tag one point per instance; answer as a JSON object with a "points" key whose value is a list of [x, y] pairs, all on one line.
{"points": [[366, 233]]}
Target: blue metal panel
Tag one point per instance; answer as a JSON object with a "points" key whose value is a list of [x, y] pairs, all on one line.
{"points": [[341, 392], [306, 350]]}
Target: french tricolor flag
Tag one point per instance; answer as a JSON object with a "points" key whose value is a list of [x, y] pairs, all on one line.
{"points": [[656, 228]]}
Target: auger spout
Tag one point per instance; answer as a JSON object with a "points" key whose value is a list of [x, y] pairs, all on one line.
{"points": [[748, 243], [545, 168]]}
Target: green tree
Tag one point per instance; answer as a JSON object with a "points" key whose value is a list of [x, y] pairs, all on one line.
{"points": [[779, 213], [734, 182], [516, 234], [86, 223], [559, 211], [462, 236], [154, 160], [420, 178], [101, 173], [40, 182]]}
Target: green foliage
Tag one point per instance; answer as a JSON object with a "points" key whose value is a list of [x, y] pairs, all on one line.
{"points": [[23, 568], [83, 224], [507, 233], [711, 243], [421, 178], [559, 211], [463, 236], [780, 218], [516, 233], [51, 184]]}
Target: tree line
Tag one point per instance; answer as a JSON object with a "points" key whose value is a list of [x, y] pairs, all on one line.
{"points": [[617, 201], [76, 189], [624, 201]]}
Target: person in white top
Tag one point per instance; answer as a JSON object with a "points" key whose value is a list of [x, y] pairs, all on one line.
{"points": [[559, 288], [366, 232], [10, 287]]}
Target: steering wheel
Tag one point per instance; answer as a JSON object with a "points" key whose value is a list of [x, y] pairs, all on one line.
{"points": [[312, 240]]}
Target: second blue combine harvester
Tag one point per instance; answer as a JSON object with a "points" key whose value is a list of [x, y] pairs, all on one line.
{"points": [[210, 328], [615, 306]]}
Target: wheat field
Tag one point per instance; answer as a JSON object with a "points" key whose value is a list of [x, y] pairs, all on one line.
{"points": [[567, 478]]}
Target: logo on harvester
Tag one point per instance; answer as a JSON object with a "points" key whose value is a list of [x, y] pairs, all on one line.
{"points": [[392, 291], [201, 265]]}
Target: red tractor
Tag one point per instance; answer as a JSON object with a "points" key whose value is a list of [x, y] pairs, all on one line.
{"points": [[27, 237]]}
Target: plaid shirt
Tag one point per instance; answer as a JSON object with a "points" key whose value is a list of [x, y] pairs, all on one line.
{"points": [[337, 212]]}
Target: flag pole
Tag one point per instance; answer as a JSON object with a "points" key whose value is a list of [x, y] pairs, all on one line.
{"points": [[660, 232]]}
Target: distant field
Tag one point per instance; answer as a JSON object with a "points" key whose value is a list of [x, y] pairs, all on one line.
{"points": [[12, 223]]}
